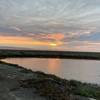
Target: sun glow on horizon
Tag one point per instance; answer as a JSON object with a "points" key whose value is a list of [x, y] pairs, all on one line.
{"points": [[53, 44], [27, 41]]}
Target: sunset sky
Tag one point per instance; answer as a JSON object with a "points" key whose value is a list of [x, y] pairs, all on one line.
{"points": [[50, 24]]}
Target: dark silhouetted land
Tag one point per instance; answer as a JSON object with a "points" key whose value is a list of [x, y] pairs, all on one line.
{"points": [[49, 54]]}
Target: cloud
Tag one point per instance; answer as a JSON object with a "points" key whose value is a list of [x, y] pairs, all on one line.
{"points": [[26, 41], [11, 31], [47, 37], [66, 21], [16, 28]]}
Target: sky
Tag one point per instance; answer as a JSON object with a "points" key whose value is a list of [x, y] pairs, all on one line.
{"points": [[50, 24]]}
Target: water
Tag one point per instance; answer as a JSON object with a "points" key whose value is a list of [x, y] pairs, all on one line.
{"points": [[81, 70]]}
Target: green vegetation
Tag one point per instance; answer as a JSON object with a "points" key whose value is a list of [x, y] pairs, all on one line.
{"points": [[83, 89], [49, 54], [55, 88], [47, 88]]}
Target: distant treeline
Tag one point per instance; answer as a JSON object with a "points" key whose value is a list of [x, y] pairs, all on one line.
{"points": [[49, 54]]}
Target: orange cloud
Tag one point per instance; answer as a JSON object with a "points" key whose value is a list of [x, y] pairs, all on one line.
{"points": [[53, 36], [26, 41], [14, 40], [56, 36]]}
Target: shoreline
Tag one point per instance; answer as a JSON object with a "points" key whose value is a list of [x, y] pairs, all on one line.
{"points": [[47, 86]]}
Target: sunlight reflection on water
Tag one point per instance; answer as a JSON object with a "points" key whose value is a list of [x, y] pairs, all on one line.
{"points": [[82, 70]]}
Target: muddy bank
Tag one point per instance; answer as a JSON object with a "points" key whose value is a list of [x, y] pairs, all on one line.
{"points": [[17, 83]]}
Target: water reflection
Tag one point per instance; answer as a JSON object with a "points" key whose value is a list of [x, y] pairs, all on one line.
{"points": [[82, 70], [53, 66]]}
